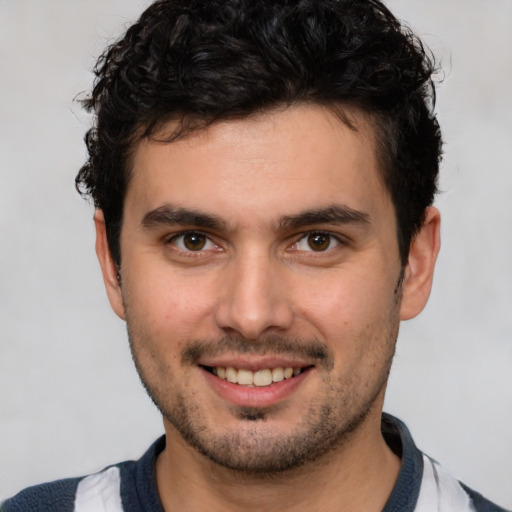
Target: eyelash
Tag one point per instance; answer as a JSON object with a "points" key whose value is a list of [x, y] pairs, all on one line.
{"points": [[207, 240], [332, 239]]}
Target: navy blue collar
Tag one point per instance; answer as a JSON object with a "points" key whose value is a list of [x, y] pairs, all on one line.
{"points": [[407, 488], [140, 485]]}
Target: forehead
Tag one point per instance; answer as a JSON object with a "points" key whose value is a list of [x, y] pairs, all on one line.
{"points": [[274, 163]]}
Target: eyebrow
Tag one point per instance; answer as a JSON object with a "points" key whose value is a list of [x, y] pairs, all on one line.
{"points": [[166, 215], [333, 214]]}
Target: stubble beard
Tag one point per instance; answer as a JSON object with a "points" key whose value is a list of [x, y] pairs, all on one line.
{"points": [[254, 447]]}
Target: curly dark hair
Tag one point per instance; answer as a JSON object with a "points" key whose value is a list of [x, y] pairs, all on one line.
{"points": [[197, 61]]}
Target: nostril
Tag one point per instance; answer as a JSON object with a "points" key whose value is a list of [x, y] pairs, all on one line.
{"points": [[251, 321]]}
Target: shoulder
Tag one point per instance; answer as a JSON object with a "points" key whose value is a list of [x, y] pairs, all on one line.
{"points": [[48, 497], [441, 488], [98, 492], [130, 484], [423, 484], [480, 503]]}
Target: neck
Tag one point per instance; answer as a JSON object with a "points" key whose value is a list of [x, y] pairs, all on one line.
{"points": [[357, 475]]}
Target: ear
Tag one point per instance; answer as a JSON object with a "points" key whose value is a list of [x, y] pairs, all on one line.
{"points": [[108, 267], [419, 271]]}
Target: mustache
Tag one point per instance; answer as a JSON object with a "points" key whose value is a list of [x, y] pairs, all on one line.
{"points": [[312, 350]]}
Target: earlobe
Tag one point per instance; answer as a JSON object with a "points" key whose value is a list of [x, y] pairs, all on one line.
{"points": [[108, 267], [419, 271]]}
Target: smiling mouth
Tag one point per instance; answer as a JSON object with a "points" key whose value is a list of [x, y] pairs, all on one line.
{"points": [[260, 378]]}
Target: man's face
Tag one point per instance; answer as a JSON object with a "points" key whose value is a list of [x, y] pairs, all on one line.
{"points": [[262, 245]]}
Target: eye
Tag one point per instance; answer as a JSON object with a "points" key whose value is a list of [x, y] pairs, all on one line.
{"points": [[316, 242], [192, 241]]}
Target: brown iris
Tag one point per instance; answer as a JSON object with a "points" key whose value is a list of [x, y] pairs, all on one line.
{"points": [[319, 241], [194, 241]]}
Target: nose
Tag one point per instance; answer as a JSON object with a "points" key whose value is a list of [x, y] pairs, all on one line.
{"points": [[253, 298]]}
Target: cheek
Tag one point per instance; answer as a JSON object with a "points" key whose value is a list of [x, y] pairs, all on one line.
{"points": [[346, 308], [335, 300], [168, 305]]}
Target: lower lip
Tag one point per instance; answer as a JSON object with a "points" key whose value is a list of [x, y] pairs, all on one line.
{"points": [[264, 396]]}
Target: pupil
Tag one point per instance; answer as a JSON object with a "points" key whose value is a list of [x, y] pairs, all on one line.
{"points": [[318, 242], [194, 241]]}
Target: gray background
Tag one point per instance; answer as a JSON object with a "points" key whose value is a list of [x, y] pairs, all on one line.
{"points": [[70, 401]]}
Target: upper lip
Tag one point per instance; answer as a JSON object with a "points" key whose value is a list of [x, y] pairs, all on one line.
{"points": [[254, 363]]}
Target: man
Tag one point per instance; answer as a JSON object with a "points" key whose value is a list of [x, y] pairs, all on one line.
{"points": [[263, 174]]}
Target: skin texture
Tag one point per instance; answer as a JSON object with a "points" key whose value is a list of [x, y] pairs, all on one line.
{"points": [[274, 278]]}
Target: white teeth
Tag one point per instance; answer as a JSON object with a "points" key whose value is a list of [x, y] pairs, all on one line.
{"points": [[277, 375], [245, 377], [231, 375], [261, 378]]}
